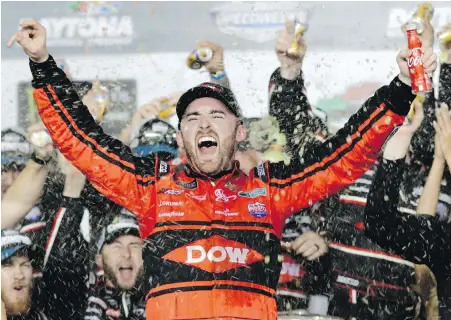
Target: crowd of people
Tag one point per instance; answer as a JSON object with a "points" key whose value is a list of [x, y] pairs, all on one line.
{"points": [[226, 217]]}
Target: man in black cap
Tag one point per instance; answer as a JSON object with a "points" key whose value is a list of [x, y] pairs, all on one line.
{"points": [[120, 257], [212, 233]]}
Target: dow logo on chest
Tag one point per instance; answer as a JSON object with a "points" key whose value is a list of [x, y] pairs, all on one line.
{"points": [[215, 254]]}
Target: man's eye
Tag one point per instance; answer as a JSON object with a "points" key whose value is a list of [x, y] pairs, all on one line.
{"points": [[218, 116], [191, 119]]}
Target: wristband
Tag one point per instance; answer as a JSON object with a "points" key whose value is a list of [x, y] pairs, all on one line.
{"points": [[39, 161], [218, 76]]}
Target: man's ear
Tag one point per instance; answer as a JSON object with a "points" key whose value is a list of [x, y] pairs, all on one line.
{"points": [[99, 261], [241, 133], [180, 140]]}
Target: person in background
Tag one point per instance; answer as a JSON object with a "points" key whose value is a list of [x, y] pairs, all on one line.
{"points": [[98, 207], [421, 151], [62, 258], [21, 207], [421, 238], [300, 274], [118, 294], [17, 277], [44, 202], [305, 130], [361, 287], [415, 189], [302, 124], [300, 245], [16, 151], [147, 112], [350, 247], [25, 193]]}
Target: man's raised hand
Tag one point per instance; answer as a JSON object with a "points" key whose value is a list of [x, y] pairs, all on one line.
{"points": [[216, 64], [290, 65], [32, 38]]}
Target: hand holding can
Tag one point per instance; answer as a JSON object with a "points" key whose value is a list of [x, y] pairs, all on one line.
{"points": [[199, 57], [209, 55], [40, 138]]}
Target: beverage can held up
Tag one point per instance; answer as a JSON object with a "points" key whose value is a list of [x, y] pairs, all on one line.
{"points": [[420, 81]]}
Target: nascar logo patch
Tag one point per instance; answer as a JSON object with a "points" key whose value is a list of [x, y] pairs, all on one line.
{"points": [[257, 209]]}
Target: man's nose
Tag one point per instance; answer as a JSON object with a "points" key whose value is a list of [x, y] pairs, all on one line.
{"points": [[18, 273], [126, 253], [204, 123]]}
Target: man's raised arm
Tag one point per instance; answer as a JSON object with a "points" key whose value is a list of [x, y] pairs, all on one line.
{"points": [[106, 162], [342, 159]]}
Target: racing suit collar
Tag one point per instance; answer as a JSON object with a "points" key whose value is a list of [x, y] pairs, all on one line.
{"points": [[190, 172]]}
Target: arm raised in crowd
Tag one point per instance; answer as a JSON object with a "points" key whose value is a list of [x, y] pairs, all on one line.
{"points": [[418, 238], [106, 162], [443, 129], [421, 147], [27, 189], [146, 112], [429, 198], [215, 66], [287, 98], [67, 255], [343, 158]]}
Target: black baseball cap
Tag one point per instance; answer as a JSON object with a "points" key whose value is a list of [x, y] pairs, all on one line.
{"points": [[15, 147], [208, 90], [122, 224], [12, 241]]}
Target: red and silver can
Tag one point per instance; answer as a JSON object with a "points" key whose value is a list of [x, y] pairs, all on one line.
{"points": [[421, 83]]}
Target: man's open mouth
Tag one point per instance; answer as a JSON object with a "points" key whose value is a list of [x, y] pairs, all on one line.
{"points": [[19, 288], [126, 272], [207, 144], [125, 268]]}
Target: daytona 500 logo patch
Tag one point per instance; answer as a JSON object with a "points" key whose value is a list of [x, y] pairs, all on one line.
{"points": [[257, 209]]}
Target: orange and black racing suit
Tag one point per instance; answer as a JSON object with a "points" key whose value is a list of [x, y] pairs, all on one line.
{"points": [[213, 242]]}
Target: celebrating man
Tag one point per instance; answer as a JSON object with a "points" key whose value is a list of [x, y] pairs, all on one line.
{"points": [[17, 276], [212, 233]]}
